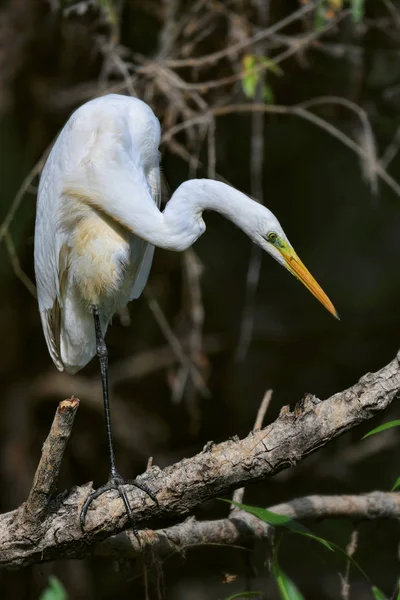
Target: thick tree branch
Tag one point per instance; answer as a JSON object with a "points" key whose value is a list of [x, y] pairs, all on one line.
{"points": [[242, 528], [182, 487]]}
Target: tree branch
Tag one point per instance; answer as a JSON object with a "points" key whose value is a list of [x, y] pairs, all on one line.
{"points": [[242, 527], [217, 470], [45, 482]]}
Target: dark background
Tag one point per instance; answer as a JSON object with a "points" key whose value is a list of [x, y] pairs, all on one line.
{"points": [[52, 59]]}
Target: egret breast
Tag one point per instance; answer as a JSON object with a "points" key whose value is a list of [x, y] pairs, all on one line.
{"points": [[100, 258]]}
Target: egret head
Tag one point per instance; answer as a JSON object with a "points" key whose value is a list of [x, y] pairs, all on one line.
{"points": [[271, 237]]}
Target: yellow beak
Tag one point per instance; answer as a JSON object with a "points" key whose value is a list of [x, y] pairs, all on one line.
{"points": [[296, 267]]}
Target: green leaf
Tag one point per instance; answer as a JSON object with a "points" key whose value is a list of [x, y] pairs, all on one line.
{"points": [[250, 78], [378, 595], [398, 592], [244, 595], [281, 521], [271, 65], [351, 559], [293, 526], [249, 86], [395, 486], [357, 10], [319, 18], [383, 427], [268, 93], [287, 589], [54, 591]]}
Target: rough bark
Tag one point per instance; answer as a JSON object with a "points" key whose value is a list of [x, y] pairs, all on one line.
{"points": [[181, 487]]}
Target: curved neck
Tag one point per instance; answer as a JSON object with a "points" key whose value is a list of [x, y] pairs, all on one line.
{"points": [[181, 223], [130, 203]]}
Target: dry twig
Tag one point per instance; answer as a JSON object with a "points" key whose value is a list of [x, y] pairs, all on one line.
{"points": [[45, 482], [262, 411], [176, 345]]}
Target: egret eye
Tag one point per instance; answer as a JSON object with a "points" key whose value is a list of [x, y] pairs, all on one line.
{"points": [[272, 237]]}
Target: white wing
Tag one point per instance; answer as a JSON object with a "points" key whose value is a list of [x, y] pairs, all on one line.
{"points": [[101, 129], [144, 270], [51, 255]]}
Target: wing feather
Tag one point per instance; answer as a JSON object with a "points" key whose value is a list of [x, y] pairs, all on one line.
{"points": [[51, 257], [143, 273], [51, 317]]}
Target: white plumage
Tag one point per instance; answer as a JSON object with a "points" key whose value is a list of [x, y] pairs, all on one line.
{"points": [[98, 221], [82, 256]]}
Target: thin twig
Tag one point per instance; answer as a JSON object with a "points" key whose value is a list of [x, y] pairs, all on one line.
{"points": [[194, 313], [345, 579], [21, 193], [179, 149], [393, 12], [16, 265], [212, 156], [175, 343], [367, 140], [262, 411], [258, 423], [171, 28], [391, 150]]}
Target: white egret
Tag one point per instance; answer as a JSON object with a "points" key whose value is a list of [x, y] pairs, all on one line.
{"points": [[98, 221]]}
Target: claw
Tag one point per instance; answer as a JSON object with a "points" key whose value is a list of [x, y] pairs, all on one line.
{"points": [[145, 488], [116, 482]]}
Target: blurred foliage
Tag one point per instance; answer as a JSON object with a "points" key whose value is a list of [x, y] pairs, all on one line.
{"points": [[379, 595], [251, 76], [287, 588], [54, 591]]}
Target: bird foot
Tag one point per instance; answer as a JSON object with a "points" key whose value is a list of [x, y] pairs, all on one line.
{"points": [[116, 482]]}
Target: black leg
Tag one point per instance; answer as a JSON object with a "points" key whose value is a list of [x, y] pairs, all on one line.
{"points": [[102, 355], [115, 481]]}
